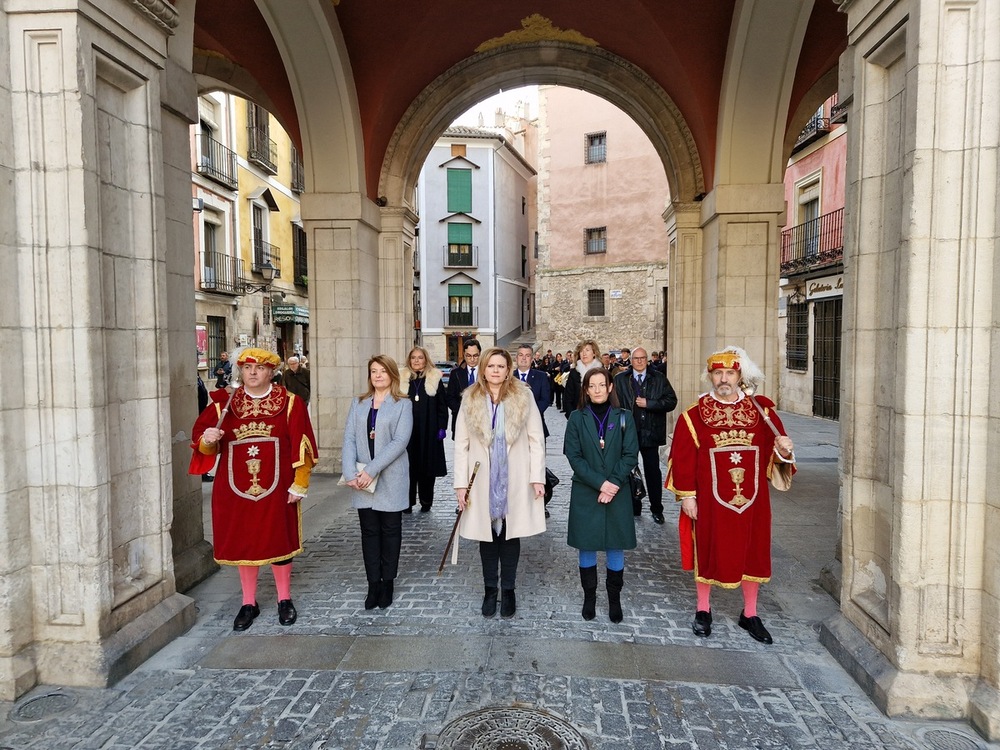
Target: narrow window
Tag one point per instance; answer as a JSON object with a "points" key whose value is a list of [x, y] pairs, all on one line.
{"points": [[596, 148], [595, 240], [460, 191], [460, 305], [595, 303], [797, 337]]}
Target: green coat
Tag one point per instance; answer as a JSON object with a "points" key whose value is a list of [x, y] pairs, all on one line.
{"points": [[593, 526]]}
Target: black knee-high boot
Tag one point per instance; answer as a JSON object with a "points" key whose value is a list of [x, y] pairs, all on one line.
{"points": [[614, 585], [588, 579]]}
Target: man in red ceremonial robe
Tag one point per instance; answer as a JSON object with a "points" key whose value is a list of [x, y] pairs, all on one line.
{"points": [[264, 441], [725, 449]]}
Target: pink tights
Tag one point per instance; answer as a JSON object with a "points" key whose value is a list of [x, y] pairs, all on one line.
{"points": [[282, 581], [750, 589]]}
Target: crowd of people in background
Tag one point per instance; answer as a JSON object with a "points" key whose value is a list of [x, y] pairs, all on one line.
{"points": [[616, 405]]}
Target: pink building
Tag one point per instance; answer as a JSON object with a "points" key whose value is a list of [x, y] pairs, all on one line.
{"points": [[602, 242]]}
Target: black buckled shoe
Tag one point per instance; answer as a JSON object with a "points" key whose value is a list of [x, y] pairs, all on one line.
{"points": [[247, 614], [702, 625], [755, 628], [286, 612]]}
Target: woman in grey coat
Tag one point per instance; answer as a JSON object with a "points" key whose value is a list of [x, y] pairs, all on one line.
{"points": [[375, 437]]}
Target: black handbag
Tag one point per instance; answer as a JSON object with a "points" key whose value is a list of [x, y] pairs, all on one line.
{"points": [[551, 480], [636, 484]]}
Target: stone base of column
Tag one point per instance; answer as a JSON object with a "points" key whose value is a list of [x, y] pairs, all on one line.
{"points": [[985, 711], [17, 675], [104, 663], [830, 579], [194, 565], [895, 692]]}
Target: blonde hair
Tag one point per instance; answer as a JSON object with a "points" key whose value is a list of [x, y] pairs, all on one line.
{"points": [[390, 367], [479, 388], [588, 342], [428, 364]]}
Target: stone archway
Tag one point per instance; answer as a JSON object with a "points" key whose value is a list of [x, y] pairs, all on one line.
{"points": [[592, 69]]}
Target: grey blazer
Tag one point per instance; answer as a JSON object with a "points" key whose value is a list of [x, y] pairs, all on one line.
{"points": [[390, 465]]}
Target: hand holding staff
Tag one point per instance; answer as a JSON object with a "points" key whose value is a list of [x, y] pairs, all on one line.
{"points": [[458, 517]]}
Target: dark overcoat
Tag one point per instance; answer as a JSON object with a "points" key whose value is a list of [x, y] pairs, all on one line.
{"points": [[592, 525], [430, 415]]}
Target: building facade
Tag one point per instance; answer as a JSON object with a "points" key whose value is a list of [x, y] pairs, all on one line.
{"points": [[602, 241], [472, 276], [811, 302], [251, 268]]}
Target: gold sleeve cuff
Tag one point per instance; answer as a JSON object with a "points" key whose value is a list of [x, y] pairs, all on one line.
{"points": [[302, 474], [298, 489], [206, 449]]}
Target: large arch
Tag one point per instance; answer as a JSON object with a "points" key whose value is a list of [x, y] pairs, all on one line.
{"points": [[560, 63]]}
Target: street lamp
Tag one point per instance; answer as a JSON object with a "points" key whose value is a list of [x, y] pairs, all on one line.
{"points": [[268, 271]]}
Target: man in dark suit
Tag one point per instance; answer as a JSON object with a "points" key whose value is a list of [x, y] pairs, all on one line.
{"points": [[462, 377], [649, 396], [537, 380]]}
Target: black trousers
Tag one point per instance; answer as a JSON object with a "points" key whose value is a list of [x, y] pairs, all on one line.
{"points": [[422, 487], [381, 540], [654, 480], [503, 552]]}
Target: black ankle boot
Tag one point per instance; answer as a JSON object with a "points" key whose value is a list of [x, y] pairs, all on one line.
{"points": [[508, 603], [614, 585], [385, 595], [588, 579], [490, 601], [374, 589]]}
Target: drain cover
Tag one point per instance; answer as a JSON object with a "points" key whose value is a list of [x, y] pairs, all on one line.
{"points": [[510, 729], [947, 739], [42, 707]]}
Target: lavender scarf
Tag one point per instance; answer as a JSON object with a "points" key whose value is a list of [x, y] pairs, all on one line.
{"points": [[499, 478]]}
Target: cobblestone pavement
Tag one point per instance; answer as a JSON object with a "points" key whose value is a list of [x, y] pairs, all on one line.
{"points": [[342, 677]]}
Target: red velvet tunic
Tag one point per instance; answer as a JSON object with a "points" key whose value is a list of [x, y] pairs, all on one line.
{"points": [[264, 440], [723, 454]]}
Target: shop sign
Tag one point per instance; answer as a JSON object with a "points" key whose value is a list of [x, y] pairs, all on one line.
{"points": [[828, 286], [290, 314]]}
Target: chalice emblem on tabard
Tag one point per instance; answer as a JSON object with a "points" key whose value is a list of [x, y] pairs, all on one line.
{"points": [[253, 466], [738, 475]]}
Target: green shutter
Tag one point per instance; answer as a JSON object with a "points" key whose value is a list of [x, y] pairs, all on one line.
{"points": [[460, 234], [460, 190], [460, 290]]}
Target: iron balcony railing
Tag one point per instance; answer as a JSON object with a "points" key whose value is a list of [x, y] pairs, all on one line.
{"points": [[461, 256], [298, 173], [818, 126], [221, 273], [261, 150], [265, 252], [216, 162], [815, 244], [463, 318]]}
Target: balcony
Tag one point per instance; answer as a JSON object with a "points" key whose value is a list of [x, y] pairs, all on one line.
{"points": [[298, 173], [460, 318], [221, 273], [265, 252], [460, 256], [816, 128], [216, 162], [814, 245], [261, 150]]}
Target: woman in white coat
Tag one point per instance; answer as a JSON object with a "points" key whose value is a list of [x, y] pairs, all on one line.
{"points": [[500, 427]]}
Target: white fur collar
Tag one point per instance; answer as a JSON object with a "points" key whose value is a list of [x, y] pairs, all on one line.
{"points": [[432, 379], [515, 407]]}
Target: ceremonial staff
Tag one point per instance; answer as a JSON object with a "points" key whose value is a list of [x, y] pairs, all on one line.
{"points": [[458, 517]]}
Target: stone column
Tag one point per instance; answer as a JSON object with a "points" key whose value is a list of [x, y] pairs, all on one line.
{"points": [[739, 274], [685, 302], [345, 305], [920, 418], [396, 246], [89, 494]]}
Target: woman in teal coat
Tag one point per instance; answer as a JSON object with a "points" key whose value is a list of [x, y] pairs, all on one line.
{"points": [[602, 447]]}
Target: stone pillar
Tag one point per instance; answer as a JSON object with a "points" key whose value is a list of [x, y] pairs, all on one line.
{"points": [[396, 246], [345, 305], [920, 418], [739, 275], [684, 355], [89, 494]]}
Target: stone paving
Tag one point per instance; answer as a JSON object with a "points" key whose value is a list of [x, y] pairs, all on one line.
{"points": [[391, 679]]}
